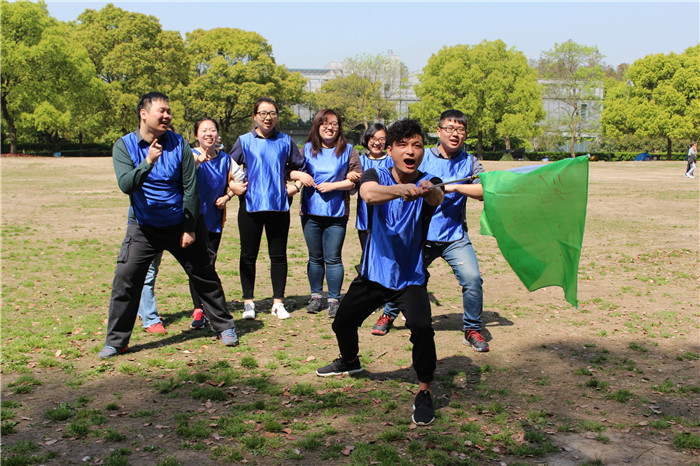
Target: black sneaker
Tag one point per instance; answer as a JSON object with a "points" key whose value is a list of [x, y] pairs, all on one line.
{"points": [[423, 412], [340, 367], [474, 339], [333, 308], [314, 306]]}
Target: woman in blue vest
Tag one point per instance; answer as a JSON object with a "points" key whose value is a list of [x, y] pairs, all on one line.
{"points": [[325, 205], [268, 156], [214, 169], [374, 140]]}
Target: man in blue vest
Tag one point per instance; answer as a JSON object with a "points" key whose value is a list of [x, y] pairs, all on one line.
{"points": [[155, 167], [400, 205], [447, 237]]}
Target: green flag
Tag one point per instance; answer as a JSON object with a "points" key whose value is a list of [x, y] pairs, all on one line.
{"points": [[537, 218]]}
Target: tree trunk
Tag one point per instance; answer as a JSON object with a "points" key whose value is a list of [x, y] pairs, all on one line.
{"points": [[480, 146], [11, 130], [507, 138], [571, 146], [668, 148]]}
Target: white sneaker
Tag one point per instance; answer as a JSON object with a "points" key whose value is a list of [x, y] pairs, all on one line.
{"points": [[279, 310], [687, 176], [249, 311]]}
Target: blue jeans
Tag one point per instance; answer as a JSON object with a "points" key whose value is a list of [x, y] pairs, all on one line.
{"points": [[461, 257], [147, 306], [324, 238]]}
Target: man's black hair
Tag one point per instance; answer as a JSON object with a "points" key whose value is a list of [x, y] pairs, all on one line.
{"points": [[403, 130], [454, 115], [147, 99]]}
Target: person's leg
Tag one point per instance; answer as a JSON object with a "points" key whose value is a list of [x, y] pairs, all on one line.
{"points": [[213, 240], [250, 228], [415, 304], [277, 232], [135, 256], [333, 239], [461, 257], [315, 269], [362, 298], [198, 262], [147, 307]]}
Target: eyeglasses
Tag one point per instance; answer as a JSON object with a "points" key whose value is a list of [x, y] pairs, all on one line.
{"points": [[332, 124], [264, 115], [452, 129], [377, 140]]}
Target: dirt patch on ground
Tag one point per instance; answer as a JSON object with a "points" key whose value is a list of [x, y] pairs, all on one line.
{"points": [[614, 380]]}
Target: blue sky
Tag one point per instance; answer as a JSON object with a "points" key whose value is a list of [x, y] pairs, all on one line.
{"points": [[312, 34]]}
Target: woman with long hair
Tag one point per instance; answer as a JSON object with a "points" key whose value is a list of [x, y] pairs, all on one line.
{"points": [[268, 156], [325, 205]]}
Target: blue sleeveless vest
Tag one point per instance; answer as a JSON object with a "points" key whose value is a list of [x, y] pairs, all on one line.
{"points": [[393, 255], [265, 162], [448, 220], [325, 167], [212, 181], [367, 163], [158, 202]]}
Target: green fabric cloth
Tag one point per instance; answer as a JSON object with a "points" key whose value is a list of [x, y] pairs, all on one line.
{"points": [[538, 220]]}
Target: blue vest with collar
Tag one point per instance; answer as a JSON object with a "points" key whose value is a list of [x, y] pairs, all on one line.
{"points": [[265, 161], [212, 183], [448, 223], [367, 163], [158, 202], [393, 255], [325, 167]]}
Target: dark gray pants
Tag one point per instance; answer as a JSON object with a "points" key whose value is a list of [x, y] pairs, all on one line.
{"points": [[140, 245]]}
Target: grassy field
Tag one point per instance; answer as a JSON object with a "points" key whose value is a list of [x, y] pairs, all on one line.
{"points": [[614, 381]]}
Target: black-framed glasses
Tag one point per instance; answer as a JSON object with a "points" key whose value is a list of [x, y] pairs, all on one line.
{"points": [[264, 115], [374, 140], [452, 129], [331, 124]]}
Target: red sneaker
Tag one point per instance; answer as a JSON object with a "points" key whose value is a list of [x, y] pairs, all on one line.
{"points": [[157, 328], [474, 339], [383, 325]]}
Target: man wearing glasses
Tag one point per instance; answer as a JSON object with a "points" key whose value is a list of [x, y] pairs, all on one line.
{"points": [[447, 236]]}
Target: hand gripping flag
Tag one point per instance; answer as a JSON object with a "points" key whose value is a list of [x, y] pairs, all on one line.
{"points": [[537, 215]]}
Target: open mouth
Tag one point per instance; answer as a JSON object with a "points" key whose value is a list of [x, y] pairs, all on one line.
{"points": [[410, 163]]}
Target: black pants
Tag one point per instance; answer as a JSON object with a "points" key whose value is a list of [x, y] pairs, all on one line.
{"points": [[214, 241], [140, 245], [250, 227], [364, 296]]}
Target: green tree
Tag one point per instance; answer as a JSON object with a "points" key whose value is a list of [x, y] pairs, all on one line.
{"points": [[49, 88], [493, 85], [573, 76], [231, 69], [132, 55], [389, 76], [660, 98], [357, 99]]}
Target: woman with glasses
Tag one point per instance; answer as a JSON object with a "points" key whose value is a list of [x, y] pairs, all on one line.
{"points": [[268, 156], [325, 205], [374, 140]]}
